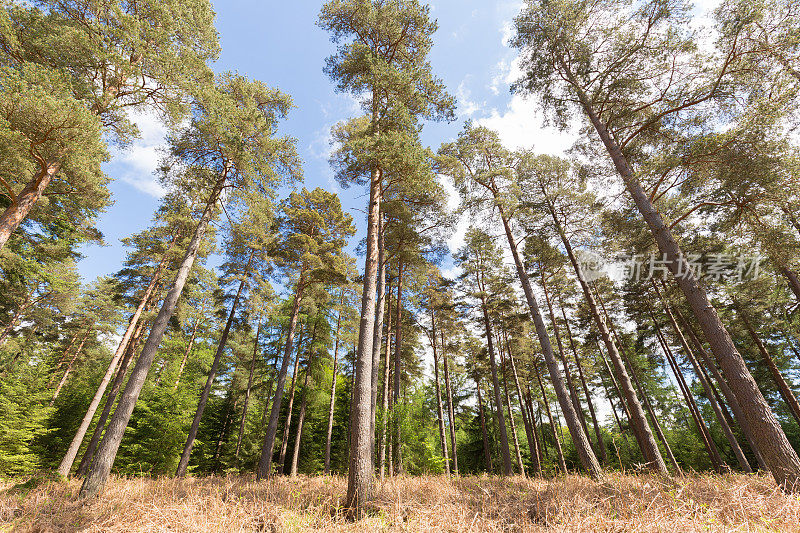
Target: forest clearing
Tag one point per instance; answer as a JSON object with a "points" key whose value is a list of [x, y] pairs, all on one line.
{"points": [[410, 274], [421, 503]]}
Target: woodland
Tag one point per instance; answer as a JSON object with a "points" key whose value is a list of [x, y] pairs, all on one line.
{"points": [[627, 311]]}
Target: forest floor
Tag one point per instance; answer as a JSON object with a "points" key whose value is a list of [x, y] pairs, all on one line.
{"points": [[433, 503]]}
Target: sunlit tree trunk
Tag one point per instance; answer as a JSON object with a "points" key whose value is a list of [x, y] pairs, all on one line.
{"points": [[332, 404], [290, 407], [439, 411], [300, 422], [71, 363], [107, 451], [22, 203], [247, 391], [487, 454], [562, 463]]}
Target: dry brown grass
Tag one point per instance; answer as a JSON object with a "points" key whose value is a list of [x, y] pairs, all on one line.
{"points": [[572, 503]]}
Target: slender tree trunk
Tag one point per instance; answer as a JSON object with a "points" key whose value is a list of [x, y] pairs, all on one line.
{"points": [[107, 451], [398, 350], [439, 411], [638, 420], [503, 365], [710, 393], [726, 390], [705, 435], [527, 418], [188, 349], [265, 461], [598, 433], [783, 387], [498, 404], [377, 333], [22, 204], [562, 355], [290, 408], [450, 409], [487, 455], [247, 391], [223, 433], [333, 383], [783, 461], [562, 463], [72, 452], [579, 438], [360, 475], [212, 374], [300, 422], [63, 358], [130, 350], [384, 444], [68, 371]]}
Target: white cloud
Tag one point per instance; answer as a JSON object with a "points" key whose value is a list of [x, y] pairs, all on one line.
{"points": [[139, 161], [467, 107], [521, 125]]}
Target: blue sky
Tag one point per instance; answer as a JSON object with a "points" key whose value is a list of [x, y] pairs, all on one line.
{"points": [[280, 44]]}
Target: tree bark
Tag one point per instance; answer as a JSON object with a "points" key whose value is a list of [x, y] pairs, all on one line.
{"points": [[783, 462], [265, 461], [377, 335], [384, 444], [360, 476], [107, 451], [527, 418], [398, 350], [188, 350], [504, 367], [22, 204], [212, 374]]}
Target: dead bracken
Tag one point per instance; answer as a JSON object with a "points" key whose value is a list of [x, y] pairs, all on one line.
{"points": [[428, 503]]}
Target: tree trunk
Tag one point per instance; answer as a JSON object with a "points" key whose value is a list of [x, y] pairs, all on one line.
{"points": [[188, 350], [705, 435], [561, 354], [498, 404], [579, 438], [487, 455], [107, 451], [247, 391], [130, 350], [638, 420], [450, 409], [265, 461], [301, 420], [439, 411], [710, 394], [290, 408], [398, 347], [527, 418], [504, 367], [377, 335], [726, 390], [69, 368], [783, 462], [223, 433], [72, 452], [794, 282], [333, 383], [212, 374], [562, 463], [22, 204], [786, 392], [360, 475], [384, 444], [598, 433]]}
